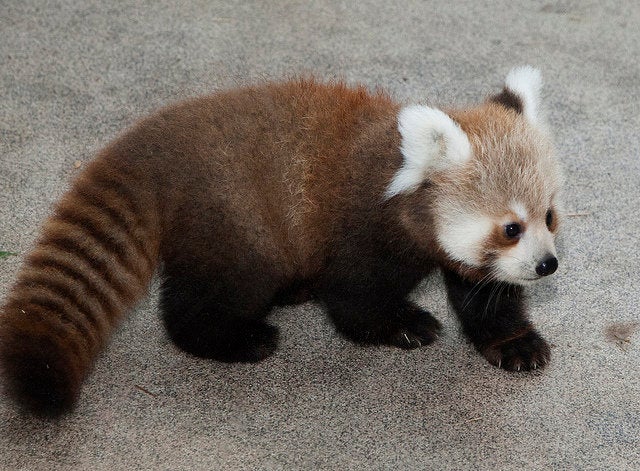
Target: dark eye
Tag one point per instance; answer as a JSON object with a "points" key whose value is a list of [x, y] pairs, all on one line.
{"points": [[549, 218], [512, 230]]}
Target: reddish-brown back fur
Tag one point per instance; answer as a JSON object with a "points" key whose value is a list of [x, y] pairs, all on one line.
{"points": [[277, 160], [273, 168]]}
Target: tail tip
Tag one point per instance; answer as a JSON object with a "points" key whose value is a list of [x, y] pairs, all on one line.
{"points": [[37, 377]]}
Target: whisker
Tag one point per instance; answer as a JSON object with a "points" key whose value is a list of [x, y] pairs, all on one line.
{"points": [[494, 291], [473, 292], [503, 286]]}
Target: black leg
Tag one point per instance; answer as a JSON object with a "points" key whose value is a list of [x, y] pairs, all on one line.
{"points": [[378, 315], [494, 318], [217, 317]]}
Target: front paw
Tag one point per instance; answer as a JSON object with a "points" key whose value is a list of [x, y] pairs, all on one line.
{"points": [[523, 353], [418, 328]]}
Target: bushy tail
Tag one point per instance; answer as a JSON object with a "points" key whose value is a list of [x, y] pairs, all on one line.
{"points": [[93, 261]]}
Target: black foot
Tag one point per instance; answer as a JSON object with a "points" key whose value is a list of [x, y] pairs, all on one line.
{"points": [[247, 342], [418, 328], [523, 353], [406, 327]]}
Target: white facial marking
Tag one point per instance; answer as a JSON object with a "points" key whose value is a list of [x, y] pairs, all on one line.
{"points": [[431, 140], [462, 235], [519, 210], [518, 264], [526, 82]]}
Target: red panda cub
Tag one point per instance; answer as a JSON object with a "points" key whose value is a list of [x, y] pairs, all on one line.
{"points": [[243, 198]]}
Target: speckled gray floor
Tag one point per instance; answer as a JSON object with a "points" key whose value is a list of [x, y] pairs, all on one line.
{"points": [[74, 73]]}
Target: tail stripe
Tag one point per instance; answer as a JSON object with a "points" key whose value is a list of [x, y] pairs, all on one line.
{"points": [[85, 321], [120, 187], [53, 313], [37, 324], [77, 268], [124, 215], [110, 237], [123, 190], [88, 289], [75, 239]]}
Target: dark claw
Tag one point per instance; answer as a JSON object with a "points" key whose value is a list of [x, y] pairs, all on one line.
{"points": [[529, 352], [420, 328]]}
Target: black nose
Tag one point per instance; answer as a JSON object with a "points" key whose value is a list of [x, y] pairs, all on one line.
{"points": [[547, 267]]}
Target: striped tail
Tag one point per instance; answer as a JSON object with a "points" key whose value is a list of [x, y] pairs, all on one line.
{"points": [[93, 261]]}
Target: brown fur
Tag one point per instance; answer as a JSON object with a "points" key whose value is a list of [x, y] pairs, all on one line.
{"points": [[93, 260], [145, 194], [264, 189], [294, 173], [506, 150]]}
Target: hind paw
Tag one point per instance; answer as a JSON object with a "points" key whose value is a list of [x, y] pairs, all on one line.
{"points": [[528, 352], [257, 343], [420, 328], [235, 341]]}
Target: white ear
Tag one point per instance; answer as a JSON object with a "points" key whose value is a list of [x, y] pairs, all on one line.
{"points": [[526, 82], [431, 140]]}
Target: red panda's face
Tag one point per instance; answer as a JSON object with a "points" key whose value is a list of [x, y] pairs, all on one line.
{"points": [[498, 212], [493, 181], [524, 246]]}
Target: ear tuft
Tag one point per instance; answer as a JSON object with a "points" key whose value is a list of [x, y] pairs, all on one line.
{"points": [[525, 83], [431, 140]]}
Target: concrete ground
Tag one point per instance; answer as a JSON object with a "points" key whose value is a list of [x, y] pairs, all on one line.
{"points": [[74, 73]]}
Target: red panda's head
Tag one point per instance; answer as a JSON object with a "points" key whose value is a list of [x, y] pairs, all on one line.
{"points": [[490, 180]]}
